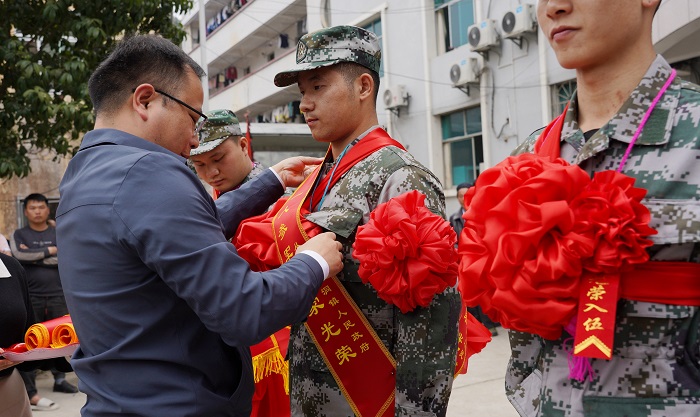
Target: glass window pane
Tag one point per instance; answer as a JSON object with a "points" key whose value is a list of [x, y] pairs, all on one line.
{"points": [[473, 121], [376, 28], [461, 17], [453, 125], [463, 162], [455, 27]]}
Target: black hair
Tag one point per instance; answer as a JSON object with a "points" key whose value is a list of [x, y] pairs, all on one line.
{"points": [[137, 60], [351, 70], [464, 185], [35, 197]]}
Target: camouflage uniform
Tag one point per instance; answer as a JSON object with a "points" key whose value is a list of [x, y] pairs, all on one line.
{"points": [[655, 367], [423, 342], [257, 169]]}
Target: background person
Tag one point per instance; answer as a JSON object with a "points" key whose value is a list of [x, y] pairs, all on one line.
{"points": [[164, 308], [5, 245], [35, 247], [222, 161]]}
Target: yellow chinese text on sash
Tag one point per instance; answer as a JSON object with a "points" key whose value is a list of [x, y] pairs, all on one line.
{"points": [[347, 342]]}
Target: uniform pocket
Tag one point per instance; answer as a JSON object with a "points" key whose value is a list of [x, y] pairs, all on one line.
{"points": [[633, 407], [405, 411], [526, 397]]}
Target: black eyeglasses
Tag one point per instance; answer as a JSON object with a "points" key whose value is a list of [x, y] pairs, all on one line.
{"points": [[202, 117]]}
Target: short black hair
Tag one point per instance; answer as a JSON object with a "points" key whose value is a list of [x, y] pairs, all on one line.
{"points": [[464, 185], [135, 60], [35, 197], [351, 70]]}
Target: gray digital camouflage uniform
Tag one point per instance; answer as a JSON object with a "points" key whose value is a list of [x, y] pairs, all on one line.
{"points": [[655, 368], [423, 342]]}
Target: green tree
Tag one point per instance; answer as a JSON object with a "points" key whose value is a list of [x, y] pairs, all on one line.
{"points": [[48, 49]]}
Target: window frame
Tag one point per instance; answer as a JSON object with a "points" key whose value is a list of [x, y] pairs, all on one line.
{"points": [[477, 154], [444, 10]]}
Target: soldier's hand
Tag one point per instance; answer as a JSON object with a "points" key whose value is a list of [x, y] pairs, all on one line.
{"points": [[329, 248], [293, 170]]}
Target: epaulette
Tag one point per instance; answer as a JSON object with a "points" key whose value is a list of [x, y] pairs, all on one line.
{"points": [[687, 85]]}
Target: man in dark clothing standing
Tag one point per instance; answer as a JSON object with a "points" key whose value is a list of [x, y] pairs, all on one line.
{"points": [[35, 247]]}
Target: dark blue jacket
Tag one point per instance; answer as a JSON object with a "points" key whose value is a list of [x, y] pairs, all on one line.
{"points": [[163, 306]]}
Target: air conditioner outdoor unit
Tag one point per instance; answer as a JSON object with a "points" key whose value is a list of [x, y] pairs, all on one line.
{"points": [[465, 72], [518, 21], [395, 96], [483, 36]]}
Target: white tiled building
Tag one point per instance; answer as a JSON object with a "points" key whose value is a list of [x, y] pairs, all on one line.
{"points": [[457, 128]]}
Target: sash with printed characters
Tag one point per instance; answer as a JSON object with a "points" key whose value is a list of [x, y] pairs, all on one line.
{"points": [[348, 344]]}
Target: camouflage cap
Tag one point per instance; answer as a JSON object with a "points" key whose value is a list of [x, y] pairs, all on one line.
{"points": [[220, 125], [330, 46]]}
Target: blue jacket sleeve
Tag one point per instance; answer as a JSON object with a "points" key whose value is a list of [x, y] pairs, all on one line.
{"points": [[164, 213], [253, 198]]}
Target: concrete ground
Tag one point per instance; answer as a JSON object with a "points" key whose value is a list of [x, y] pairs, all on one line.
{"points": [[479, 393]]}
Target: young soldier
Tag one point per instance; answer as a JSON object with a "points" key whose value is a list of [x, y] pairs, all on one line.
{"points": [[222, 159], [654, 366], [337, 73]]}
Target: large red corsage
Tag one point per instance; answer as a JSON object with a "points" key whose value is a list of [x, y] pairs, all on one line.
{"points": [[406, 252], [532, 226]]}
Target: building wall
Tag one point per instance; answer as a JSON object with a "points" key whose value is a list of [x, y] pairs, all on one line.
{"points": [[514, 93], [45, 176]]}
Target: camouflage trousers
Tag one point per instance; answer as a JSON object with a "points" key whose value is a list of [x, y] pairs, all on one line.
{"points": [[654, 371]]}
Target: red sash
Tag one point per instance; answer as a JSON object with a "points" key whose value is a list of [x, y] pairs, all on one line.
{"points": [[255, 238], [676, 283]]}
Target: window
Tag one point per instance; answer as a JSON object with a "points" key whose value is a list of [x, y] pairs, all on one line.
{"points": [[562, 93], [376, 28], [453, 18], [462, 145]]}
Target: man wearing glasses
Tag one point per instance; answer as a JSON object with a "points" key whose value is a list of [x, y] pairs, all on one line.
{"points": [[164, 307]]}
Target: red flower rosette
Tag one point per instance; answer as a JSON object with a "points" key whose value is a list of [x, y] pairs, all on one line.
{"points": [[610, 210], [531, 226], [406, 252]]}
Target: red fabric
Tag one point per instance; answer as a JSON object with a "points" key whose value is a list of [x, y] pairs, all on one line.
{"points": [[282, 338], [255, 240], [406, 252], [609, 211], [270, 398], [532, 224], [477, 337], [548, 143], [679, 284], [17, 348]]}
